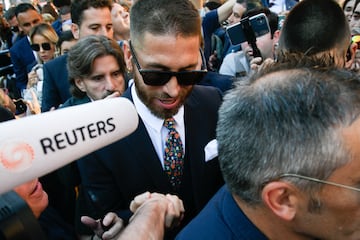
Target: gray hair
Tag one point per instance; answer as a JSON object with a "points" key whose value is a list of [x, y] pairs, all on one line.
{"points": [[288, 119]]}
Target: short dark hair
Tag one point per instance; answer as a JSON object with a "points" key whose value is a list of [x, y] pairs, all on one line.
{"points": [[64, 36], [10, 13], [176, 17], [79, 6], [212, 5], [82, 55], [61, 3], [23, 7], [315, 26]]}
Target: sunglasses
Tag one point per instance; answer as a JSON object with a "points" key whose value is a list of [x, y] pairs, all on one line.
{"points": [[356, 39], [15, 29], [160, 78], [44, 46]]}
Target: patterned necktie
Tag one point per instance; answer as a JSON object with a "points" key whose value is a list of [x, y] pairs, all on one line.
{"points": [[174, 154]]}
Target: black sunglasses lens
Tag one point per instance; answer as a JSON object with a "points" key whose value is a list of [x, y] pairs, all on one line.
{"points": [[44, 46], [190, 78], [155, 78], [35, 47]]}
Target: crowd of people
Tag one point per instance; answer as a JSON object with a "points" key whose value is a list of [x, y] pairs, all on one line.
{"points": [[253, 140]]}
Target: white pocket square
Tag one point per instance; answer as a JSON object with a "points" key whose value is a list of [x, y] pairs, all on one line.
{"points": [[211, 150]]}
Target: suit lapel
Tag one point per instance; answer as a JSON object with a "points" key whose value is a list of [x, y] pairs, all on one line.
{"points": [[145, 153], [194, 139]]}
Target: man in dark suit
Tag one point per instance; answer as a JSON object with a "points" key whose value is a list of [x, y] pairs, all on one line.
{"points": [[22, 56], [88, 18], [164, 55]]}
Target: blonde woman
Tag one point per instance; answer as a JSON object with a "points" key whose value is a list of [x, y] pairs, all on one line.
{"points": [[43, 39]]}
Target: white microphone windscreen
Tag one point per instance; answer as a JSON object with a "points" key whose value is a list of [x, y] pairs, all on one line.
{"points": [[36, 145]]}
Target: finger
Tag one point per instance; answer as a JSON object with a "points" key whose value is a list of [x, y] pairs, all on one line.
{"points": [[174, 211], [254, 67], [172, 216], [113, 95], [177, 202], [35, 105], [30, 105], [156, 195], [256, 60], [33, 94], [116, 223], [109, 218], [138, 200], [90, 222], [267, 62]]}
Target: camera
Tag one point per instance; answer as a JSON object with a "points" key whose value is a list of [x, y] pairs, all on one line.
{"points": [[21, 106], [241, 32]]}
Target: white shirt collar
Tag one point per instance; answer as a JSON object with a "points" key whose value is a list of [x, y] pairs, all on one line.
{"points": [[150, 119]]}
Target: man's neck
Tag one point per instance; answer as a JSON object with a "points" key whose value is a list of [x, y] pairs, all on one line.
{"points": [[120, 37], [267, 222]]}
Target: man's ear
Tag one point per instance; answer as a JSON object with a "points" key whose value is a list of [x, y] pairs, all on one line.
{"points": [[75, 31], [276, 36], [281, 199], [127, 56], [80, 84], [350, 55]]}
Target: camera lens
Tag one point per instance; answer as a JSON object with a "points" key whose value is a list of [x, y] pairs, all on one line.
{"points": [[20, 106], [260, 20]]}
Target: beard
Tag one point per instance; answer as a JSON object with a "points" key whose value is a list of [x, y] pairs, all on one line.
{"points": [[148, 97]]}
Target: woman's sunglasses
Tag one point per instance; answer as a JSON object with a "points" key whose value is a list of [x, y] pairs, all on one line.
{"points": [[160, 78], [44, 46]]}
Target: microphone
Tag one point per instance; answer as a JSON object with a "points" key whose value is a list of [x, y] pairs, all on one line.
{"points": [[33, 146]]}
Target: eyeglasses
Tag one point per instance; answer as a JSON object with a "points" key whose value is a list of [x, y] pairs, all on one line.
{"points": [[356, 39], [160, 78], [319, 181], [44, 46]]}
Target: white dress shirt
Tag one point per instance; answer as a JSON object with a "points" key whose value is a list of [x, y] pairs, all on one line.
{"points": [[154, 125]]}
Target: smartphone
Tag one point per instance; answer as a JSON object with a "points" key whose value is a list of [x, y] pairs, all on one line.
{"points": [[259, 23], [20, 106], [281, 20]]}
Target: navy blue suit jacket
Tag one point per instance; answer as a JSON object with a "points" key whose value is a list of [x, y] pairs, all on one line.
{"points": [[221, 81], [22, 58], [56, 88], [222, 218], [130, 166]]}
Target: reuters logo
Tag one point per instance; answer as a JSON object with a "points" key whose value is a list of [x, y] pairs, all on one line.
{"points": [[16, 156]]}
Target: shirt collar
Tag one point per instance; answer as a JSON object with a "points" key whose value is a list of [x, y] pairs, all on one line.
{"points": [[150, 119]]}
